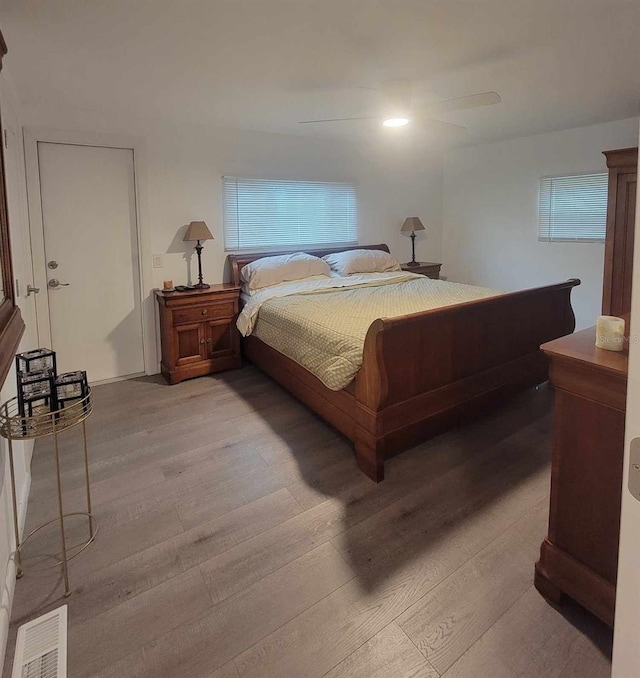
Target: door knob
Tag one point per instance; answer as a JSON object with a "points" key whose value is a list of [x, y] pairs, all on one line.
{"points": [[54, 282], [32, 290]]}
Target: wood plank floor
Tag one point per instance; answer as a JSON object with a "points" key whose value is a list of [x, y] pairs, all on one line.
{"points": [[237, 539]]}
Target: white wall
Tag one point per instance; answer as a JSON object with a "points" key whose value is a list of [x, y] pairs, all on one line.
{"points": [[185, 165], [18, 220], [179, 169], [490, 212]]}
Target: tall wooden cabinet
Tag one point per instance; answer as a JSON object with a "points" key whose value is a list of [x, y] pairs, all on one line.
{"points": [[621, 212]]}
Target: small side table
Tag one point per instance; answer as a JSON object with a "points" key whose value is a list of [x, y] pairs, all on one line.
{"points": [[426, 268], [198, 331], [41, 424]]}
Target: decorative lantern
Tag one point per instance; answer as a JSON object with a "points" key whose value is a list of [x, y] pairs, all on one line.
{"points": [[71, 386], [36, 388], [36, 361]]}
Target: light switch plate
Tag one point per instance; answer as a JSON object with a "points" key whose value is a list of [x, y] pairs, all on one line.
{"points": [[157, 261], [634, 468]]}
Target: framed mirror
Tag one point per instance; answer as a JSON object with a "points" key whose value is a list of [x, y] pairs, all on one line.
{"points": [[11, 323]]}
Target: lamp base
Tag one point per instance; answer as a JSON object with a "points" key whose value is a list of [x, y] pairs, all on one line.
{"points": [[412, 263], [201, 286]]}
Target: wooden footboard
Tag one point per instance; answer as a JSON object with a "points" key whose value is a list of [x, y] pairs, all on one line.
{"points": [[421, 371]]}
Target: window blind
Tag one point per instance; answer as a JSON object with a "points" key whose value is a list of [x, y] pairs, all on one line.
{"points": [[269, 213], [573, 208]]}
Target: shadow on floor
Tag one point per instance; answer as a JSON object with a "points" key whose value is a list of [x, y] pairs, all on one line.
{"points": [[433, 489]]}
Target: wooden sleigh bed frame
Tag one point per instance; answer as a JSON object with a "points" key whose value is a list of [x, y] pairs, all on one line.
{"points": [[422, 372]]}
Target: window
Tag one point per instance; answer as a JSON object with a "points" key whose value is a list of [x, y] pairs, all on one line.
{"points": [[573, 208], [263, 214]]}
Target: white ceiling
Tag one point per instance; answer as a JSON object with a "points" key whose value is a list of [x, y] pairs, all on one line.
{"points": [[265, 64]]}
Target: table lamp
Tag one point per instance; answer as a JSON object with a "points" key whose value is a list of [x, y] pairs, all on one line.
{"points": [[411, 225], [198, 230]]}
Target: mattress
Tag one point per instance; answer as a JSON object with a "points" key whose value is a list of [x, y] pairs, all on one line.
{"points": [[322, 324]]}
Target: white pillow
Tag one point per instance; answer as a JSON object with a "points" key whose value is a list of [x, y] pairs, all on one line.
{"points": [[362, 261], [285, 267]]}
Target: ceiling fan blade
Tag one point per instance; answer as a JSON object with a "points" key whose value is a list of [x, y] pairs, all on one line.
{"points": [[471, 101], [445, 126], [309, 122]]}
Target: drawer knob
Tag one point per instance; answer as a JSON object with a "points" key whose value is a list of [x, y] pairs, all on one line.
{"points": [[202, 341], [204, 311]]}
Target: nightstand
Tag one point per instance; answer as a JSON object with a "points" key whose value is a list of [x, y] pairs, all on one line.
{"points": [[198, 331], [427, 268]]}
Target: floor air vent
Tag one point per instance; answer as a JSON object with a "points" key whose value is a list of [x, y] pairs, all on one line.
{"points": [[41, 647]]}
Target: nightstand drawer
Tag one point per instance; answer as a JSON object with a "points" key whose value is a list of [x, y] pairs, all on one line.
{"points": [[208, 312]]}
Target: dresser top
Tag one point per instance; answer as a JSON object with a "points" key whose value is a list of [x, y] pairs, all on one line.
{"points": [[421, 263], [581, 347], [221, 287]]}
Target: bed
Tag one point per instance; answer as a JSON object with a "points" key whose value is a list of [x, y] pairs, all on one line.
{"points": [[421, 372]]}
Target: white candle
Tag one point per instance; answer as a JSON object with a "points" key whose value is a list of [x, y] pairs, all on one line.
{"points": [[610, 333]]}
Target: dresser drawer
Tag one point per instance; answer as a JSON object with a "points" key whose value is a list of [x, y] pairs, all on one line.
{"points": [[204, 312]]}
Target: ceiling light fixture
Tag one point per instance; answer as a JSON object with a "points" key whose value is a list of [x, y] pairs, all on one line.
{"points": [[396, 122]]}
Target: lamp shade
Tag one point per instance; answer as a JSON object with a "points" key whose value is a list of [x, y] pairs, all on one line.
{"points": [[411, 225], [197, 230]]}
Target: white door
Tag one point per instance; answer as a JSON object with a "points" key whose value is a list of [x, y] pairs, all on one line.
{"points": [[91, 297], [626, 645]]}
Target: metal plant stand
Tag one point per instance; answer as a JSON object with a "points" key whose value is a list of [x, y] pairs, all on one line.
{"points": [[40, 424]]}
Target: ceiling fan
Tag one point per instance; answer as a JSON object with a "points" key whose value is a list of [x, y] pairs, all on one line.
{"points": [[398, 111]]}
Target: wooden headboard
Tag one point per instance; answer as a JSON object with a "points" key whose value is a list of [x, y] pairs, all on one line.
{"points": [[237, 261]]}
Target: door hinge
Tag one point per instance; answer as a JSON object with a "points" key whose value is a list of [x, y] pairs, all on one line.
{"points": [[6, 138], [634, 468]]}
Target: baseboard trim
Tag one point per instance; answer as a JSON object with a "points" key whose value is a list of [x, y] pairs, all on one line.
{"points": [[23, 502], [113, 380], [10, 573]]}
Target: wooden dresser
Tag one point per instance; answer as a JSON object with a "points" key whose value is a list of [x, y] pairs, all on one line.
{"points": [[198, 331], [579, 557]]}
